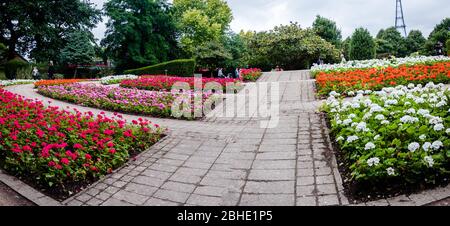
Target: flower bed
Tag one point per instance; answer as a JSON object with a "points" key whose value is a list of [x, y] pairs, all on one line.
{"points": [[251, 74], [377, 63], [156, 104], [166, 83], [376, 79], [57, 82], [116, 79], [16, 82], [397, 137], [61, 151]]}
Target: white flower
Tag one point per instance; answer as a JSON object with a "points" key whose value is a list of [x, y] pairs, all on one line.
{"points": [[447, 131], [439, 127], [423, 137], [351, 93], [408, 119], [390, 171], [423, 112], [426, 146], [340, 139], [380, 117], [334, 94], [373, 161], [369, 146], [437, 145], [377, 137], [436, 120], [429, 160], [347, 122], [385, 122], [411, 111], [420, 100], [362, 127], [414, 147], [351, 139], [407, 103], [351, 116]]}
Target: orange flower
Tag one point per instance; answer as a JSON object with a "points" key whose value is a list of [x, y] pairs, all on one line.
{"points": [[57, 82]]}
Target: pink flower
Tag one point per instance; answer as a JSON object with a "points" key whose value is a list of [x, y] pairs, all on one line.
{"points": [[51, 164], [88, 156], [77, 146], [112, 151]]}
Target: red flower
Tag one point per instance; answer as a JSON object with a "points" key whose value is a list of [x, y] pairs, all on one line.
{"points": [[112, 151], [108, 132], [77, 146], [65, 161], [88, 156], [58, 166], [40, 133], [51, 164], [110, 144], [128, 133]]}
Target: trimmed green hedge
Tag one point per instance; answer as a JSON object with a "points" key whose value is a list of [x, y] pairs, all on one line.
{"points": [[182, 68]]}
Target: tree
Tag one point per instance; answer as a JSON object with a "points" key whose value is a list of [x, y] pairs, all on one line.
{"points": [[211, 55], [362, 46], [41, 27], [3, 52], [415, 42], [391, 43], [440, 34], [328, 30], [139, 33], [201, 21], [235, 45], [290, 47], [79, 50], [346, 47], [448, 47]]}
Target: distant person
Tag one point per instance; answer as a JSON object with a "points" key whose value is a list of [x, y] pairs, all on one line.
{"points": [[343, 60], [236, 73], [220, 73], [51, 71], [35, 74]]}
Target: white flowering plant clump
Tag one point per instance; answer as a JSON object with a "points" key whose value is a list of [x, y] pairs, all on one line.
{"points": [[16, 82], [116, 79], [400, 133], [377, 63]]}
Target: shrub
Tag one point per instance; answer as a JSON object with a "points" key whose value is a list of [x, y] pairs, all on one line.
{"points": [[399, 136], [251, 74], [182, 68], [362, 45], [447, 44], [14, 67]]}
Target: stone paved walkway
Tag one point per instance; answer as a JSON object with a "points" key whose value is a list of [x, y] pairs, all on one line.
{"points": [[229, 161]]}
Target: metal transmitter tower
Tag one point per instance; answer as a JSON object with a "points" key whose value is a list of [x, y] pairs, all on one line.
{"points": [[399, 18]]}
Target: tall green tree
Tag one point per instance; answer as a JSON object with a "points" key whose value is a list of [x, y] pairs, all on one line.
{"points": [[415, 42], [328, 30], [235, 45], [290, 47], [346, 47], [41, 27], [139, 33], [79, 50], [391, 43], [201, 21], [440, 34], [212, 54], [362, 45]]}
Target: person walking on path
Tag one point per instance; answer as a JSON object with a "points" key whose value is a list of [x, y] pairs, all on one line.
{"points": [[51, 71], [35, 74], [220, 73]]}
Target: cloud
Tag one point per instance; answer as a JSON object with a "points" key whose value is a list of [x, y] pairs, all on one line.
{"points": [[262, 15]]}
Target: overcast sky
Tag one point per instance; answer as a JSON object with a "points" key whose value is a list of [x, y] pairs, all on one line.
{"points": [[262, 15]]}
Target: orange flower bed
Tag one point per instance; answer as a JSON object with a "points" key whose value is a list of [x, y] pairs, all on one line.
{"points": [[57, 82], [376, 79]]}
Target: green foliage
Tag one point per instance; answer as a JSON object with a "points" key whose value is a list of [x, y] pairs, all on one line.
{"points": [[200, 22], [447, 44], [236, 46], [139, 33], [212, 55], [328, 30], [14, 67], [415, 42], [183, 68], [362, 45], [289, 47], [3, 52], [346, 47], [41, 27], [390, 43], [441, 33], [79, 49]]}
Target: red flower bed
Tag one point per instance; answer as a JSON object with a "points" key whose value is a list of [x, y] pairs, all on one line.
{"points": [[376, 79], [251, 74], [61, 151], [165, 83]]}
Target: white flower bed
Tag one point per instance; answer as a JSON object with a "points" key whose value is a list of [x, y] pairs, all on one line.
{"points": [[401, 132], [16, 82], [377, 63], [116, 79]]}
